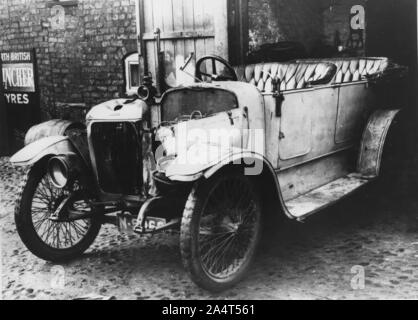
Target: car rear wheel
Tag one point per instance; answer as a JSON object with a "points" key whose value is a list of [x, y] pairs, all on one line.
{"points": [[220, 231]]}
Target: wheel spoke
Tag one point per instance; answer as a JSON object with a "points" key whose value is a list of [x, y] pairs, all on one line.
{"points": [[215, 248], [39, 223], [57, 234], [215, 257], [68, 231]]}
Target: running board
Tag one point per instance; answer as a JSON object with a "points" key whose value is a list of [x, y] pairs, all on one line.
{"points": [[325, 196]]}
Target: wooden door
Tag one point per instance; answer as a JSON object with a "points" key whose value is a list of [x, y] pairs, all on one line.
{"points": [[185, 26]]}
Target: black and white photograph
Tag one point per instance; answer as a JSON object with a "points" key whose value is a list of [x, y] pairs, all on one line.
{"points": [[223, 150]]}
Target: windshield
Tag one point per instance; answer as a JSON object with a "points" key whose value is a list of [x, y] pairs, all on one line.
{"points": [[191, 103]]}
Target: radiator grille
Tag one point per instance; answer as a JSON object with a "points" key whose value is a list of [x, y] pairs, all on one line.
{"points": [[117, 152]]}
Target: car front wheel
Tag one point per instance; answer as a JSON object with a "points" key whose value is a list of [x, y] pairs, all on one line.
{"points": [[220, 231], [52, 238]]}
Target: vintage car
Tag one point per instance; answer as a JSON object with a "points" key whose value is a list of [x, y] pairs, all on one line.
{"points": [[209, 160]]}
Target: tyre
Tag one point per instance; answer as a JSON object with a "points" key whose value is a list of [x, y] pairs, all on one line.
{"points": [[50, 239], [221, 228]]}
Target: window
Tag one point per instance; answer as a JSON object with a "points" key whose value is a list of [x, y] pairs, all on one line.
{"points": [[132, 73]]}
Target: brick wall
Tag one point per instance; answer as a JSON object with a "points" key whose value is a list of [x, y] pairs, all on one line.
{"points": [[81, 63], [276, 20]]}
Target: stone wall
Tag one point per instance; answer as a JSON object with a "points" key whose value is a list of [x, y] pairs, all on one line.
{"points": [[80, 57]]}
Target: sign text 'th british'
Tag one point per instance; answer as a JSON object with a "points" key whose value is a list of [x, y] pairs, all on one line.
{"points": [[18, 76], [20, 91]]}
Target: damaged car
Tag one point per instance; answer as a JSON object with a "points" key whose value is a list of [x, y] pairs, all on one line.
{"points": [[209, 160]]}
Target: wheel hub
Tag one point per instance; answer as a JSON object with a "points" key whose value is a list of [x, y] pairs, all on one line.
{"points": [[59, 209], [229, 226]]}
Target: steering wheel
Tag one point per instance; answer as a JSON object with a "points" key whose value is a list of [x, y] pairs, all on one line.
{"points": [[231, 75]]}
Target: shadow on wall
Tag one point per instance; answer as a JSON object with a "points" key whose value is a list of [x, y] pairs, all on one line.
{"points": [[324, 27], [271, 21]]}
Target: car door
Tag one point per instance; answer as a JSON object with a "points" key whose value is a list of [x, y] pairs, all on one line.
{"points": [[295, 137]]}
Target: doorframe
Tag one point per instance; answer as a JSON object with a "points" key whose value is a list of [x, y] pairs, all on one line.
{"points": [[238, 31], [4, 129], [221, 28], [140, 30]]}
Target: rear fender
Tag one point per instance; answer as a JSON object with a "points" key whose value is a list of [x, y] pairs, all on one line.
{"points": [[373, 142]]}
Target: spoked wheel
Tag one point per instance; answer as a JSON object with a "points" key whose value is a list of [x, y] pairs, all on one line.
{"points": [[220, 231], [50, 221]]}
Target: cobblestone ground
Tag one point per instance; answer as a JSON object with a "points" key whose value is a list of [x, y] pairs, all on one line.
{"points": [[319, 259]]}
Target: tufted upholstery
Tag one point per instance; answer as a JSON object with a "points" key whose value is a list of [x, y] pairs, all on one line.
{"points": [[291, 76], [354, 69]]}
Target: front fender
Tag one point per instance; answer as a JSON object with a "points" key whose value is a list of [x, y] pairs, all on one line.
{"points": [[254, 164], [206, 160], [51, 128], [50, 146], [192, 164]]}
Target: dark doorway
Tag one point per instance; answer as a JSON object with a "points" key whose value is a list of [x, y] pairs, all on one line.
{"points": [[238, 31], [392, 30]]}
